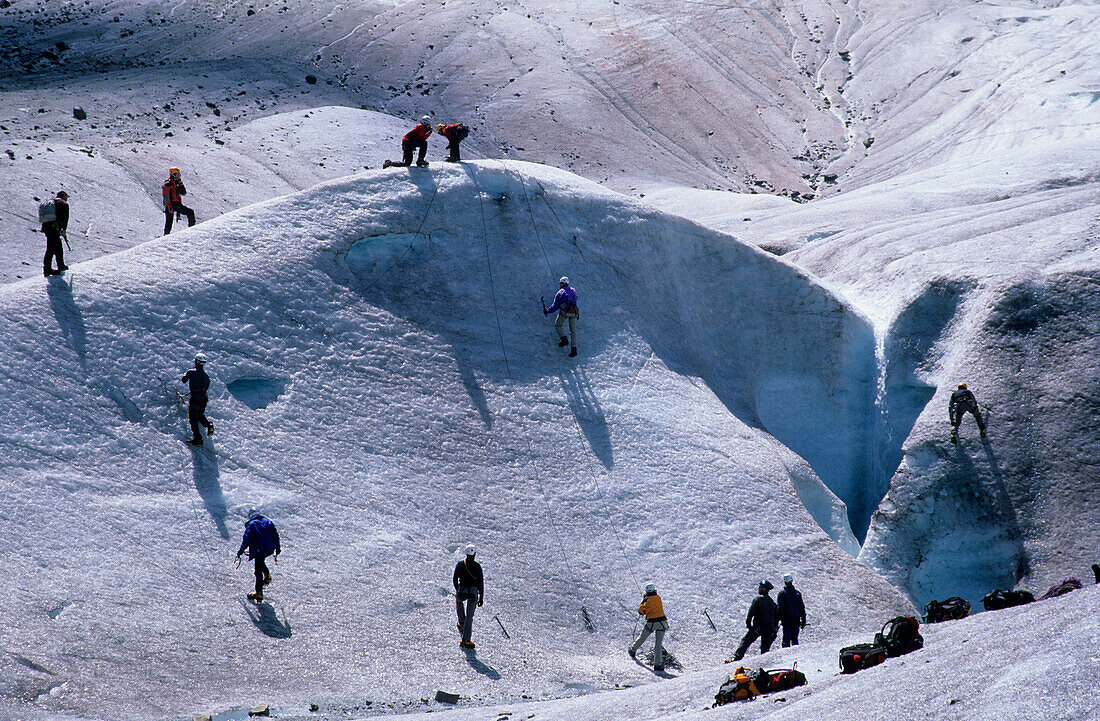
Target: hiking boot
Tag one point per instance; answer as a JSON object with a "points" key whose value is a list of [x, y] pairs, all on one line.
{"points": [[954, 437], [573, 353], [267, 580], [210, 429], [450, 160], [658, 668], [982, 433], [563, 342], [422, 163], [467, 644], [254, 596], [194, 442], [387, 164], [631, 652], [62, 267]]}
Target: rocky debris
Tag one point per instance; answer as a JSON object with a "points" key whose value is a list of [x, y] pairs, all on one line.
{"points": [[262, 709], [79, 114]]}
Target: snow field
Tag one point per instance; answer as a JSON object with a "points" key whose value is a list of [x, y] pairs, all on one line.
{"points": [[425, 404]]}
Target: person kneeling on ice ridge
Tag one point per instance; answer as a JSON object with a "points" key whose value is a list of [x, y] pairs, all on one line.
{"points": [[963, 402], [454, 134], [762, 621], [565, 303], [655, 623], [261, 538], [199, 383], [469, 593], [414, 140], [172, 192]]}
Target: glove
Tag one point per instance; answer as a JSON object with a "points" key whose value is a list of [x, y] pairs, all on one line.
{"points": [[239, 553], [802, 625], [480, 601]]}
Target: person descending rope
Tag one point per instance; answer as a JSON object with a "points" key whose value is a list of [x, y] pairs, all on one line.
{"points": [[172, 193], [261, 538], [792, 612], [469, 585], [54, 217], [199, 383], [454, 134], [762, 621], [565, 303], [963, 402], [655, 623], [414, 140]]}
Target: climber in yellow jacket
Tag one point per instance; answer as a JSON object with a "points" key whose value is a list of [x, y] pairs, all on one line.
{"points": [[655, 623]]}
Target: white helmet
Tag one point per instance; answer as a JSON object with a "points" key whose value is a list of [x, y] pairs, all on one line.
{"points": [[200, 357], [427, 120], [788, 579], [471, 549], [651, 587], [564, 280]]}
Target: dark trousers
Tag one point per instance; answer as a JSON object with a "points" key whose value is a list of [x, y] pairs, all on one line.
{"points": [[196, 415], [790, 635], [453, 147], [54, 249], [407, 148], [263, 575], [766, 636], [465, 603], [962, 410], [170, 214]]}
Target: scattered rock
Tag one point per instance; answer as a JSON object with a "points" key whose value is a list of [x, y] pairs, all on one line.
{"points": [[61, 46], [79, 114], [867, 143], [262, 709], [250, 12], [202, 717], [444, 697], [11, 154], [5, 4], [314, 708], [311, 79]]}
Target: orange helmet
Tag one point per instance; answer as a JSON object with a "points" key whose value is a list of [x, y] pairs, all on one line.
{"points": [[173, 171]]}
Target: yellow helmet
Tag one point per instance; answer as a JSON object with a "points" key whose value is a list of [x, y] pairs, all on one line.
{"points": [[962, 386], [439, 128], [173, 171]]}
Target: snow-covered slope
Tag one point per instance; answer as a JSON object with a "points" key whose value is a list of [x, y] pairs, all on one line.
{"points": [[423, 403]]}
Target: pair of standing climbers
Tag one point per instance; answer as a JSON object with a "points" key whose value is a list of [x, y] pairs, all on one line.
{"points": [[416, 141], [765, 616]]}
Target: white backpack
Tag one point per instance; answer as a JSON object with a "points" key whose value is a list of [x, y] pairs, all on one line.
{"points": [[47, 212]]}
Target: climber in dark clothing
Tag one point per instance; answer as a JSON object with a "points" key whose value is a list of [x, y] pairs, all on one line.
{"points": [[199, 383], [792, 612], [762, 621], [963, 402], [469, 585], [54, 215]]}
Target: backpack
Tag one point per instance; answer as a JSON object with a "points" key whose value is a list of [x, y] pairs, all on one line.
{"points": [[899, 636], [949, 610], [997, 600], [747, 684], [461, 132], [47, 212], [861, 656], [1061, 589], [741, 687]]}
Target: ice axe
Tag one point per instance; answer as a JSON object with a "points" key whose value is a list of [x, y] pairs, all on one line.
{"points": [[65, 237], [543, 299]]}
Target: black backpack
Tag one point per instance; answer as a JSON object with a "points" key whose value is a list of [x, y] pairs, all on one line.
{"points": [[861, 656], [949, 610], [899, 636], [1006, 599]]}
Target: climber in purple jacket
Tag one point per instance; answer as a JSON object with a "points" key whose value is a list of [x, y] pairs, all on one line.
{"points": [[565, 303]]}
